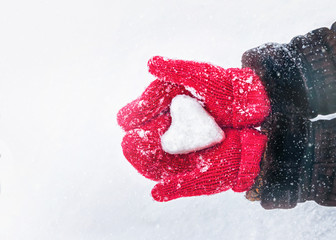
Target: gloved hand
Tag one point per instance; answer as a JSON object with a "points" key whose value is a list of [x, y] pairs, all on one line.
{"points": [[234, 97]]}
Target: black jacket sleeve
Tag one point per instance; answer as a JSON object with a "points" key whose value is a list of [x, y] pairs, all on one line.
{"points": [[300, 159]]}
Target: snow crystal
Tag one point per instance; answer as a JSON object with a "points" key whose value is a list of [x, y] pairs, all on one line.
{"points": [[249, 80], [194, 93], [203, 164], [192, 127], [141, 133]]}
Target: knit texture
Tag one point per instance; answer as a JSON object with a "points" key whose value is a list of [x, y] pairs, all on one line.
{"points": [[217, 169], [234, 97], [237, 101]]}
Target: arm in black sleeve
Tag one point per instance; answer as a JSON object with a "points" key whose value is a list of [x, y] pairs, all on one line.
{"points": [[300, 159]]}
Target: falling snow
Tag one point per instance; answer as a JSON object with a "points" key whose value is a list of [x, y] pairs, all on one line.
{"points": [[67, 67]]}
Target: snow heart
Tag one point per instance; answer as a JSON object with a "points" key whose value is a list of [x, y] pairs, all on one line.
{"points": [[192, 127]]}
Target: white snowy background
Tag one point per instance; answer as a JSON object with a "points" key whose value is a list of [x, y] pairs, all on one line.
{"points": [[67, 66]]}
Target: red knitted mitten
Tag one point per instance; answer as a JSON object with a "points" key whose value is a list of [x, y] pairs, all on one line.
{"points": [[225, 166], [234, 97]]}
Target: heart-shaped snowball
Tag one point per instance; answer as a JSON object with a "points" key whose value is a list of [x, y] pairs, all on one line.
{"points": [[192, 127]]}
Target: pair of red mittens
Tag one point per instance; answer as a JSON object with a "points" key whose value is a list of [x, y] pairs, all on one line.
{"points": [[237, 101]]}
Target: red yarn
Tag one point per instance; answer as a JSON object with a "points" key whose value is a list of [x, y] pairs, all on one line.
{"points": [[217, 169], [234, 97]]}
